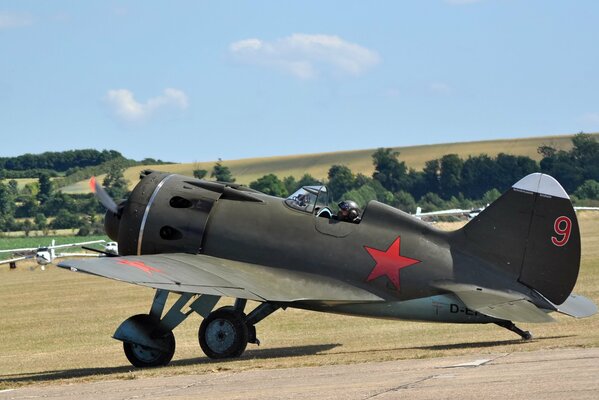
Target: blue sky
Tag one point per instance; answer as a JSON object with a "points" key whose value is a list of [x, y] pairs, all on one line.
{"points": [[195, 81]]}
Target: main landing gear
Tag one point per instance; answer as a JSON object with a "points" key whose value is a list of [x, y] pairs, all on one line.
{"points": [[509, 325], [148, 339]]}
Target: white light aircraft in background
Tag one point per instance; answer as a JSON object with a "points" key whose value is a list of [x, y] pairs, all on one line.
{"points": [[45, 255]]}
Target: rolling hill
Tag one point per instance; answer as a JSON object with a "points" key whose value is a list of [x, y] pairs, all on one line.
{"points": [[317, 165]]}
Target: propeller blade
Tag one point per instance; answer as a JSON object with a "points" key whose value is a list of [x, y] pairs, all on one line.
{"points": [[102, 195]]}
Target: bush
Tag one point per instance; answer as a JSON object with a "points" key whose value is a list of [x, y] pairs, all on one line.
{"points": [[588, 190]]}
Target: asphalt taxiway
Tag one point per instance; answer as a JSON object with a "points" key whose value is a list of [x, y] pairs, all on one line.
{"points": [[548, 374]]}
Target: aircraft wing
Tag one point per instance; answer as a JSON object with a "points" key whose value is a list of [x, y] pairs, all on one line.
{"points": [[452, 212], [509, 306], [61, 255], [202, 274], [586, 208], [15, 259], [24, 250], [59, 246]]}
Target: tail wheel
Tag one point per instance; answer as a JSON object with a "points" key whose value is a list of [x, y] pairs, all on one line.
{"points": [[223, 334]]}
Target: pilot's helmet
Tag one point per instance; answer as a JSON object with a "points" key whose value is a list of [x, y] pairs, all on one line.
{"points": [[351, 208]]}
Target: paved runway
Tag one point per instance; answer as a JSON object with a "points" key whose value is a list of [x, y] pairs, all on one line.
{"points": [[549, 374]]}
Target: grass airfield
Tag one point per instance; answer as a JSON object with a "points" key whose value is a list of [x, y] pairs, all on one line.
{"points": [[56, 327]]}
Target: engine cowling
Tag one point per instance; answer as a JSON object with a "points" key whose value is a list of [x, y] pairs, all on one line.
{"points": [[165, 213]]}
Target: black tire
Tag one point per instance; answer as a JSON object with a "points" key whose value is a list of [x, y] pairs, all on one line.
{"points": [[223, 334], [144, 356]]}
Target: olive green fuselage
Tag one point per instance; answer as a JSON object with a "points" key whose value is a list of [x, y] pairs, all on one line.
{"points": [[172, 213]]}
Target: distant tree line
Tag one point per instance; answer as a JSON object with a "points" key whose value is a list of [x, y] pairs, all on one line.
{"points": [[450, 181], [39, 206], [58, 161], [446, 182], [73, 164]]}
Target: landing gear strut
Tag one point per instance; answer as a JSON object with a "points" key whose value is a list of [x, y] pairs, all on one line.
{"points": [[509, 325], [148, 339], [226, 332]]}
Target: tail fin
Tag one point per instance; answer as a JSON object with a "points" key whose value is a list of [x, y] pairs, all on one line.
{"points": [[532, 233]]}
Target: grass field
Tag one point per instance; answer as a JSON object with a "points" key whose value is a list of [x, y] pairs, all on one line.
{"points": [[317, 165], [56, 327]]}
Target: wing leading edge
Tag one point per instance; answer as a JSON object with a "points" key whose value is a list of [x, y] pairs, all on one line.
{"points": [[201, 274]]}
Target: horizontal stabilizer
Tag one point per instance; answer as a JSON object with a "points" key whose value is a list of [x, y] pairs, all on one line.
{"points": [[577, 306], [497, 304]]}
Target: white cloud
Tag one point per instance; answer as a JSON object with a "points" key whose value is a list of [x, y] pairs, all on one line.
{"points": [[9, 21], [127, 108], [306, 56]]}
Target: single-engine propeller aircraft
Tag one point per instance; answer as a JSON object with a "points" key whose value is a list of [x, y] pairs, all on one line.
{"points": [[517, 260], [46, 254]]}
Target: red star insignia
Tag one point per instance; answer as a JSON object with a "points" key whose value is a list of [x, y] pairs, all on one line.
{"points": [[389, 262], [140, 265]]}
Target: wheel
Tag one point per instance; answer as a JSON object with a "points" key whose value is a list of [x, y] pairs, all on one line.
{"points": [[223, 334], [527, 335], [145, 356]]}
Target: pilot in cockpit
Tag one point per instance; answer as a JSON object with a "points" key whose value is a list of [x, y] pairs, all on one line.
{"points": [[349, 211]]}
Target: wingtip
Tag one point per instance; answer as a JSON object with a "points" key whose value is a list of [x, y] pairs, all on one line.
{"points": [[92, 184]]}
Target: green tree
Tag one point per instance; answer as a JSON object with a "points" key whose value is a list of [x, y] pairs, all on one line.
{"points": [[199, 173], [115, 183], [431, 202], [65, 220], [341, 181], [7, 223], [431, 176], [27, 226], [14, 187], [588, 190], [392, 173], [478, 176], [362, 195], [45, 187], [490, 196], [222, 173], [586, 155], [290, 184], [28, 208], [271, 185], [57, 202], [404, 201], [451, 175], [7, 200], [41, 222], [307, 180]]}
